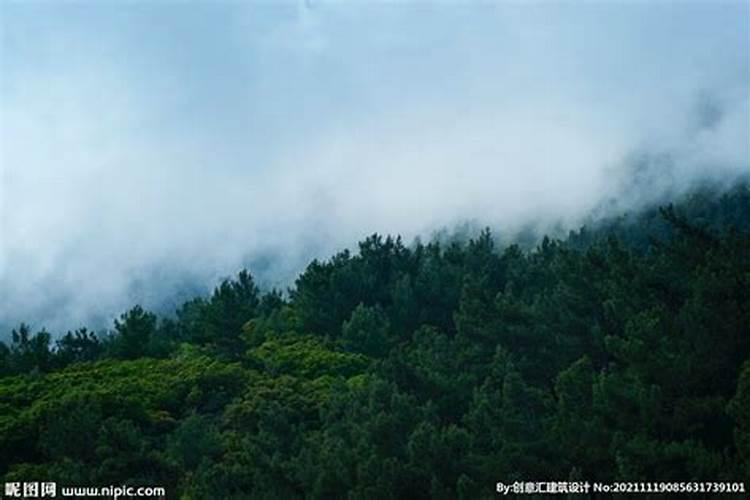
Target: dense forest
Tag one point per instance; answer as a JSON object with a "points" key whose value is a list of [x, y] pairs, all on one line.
{"points": [[620, 352]]}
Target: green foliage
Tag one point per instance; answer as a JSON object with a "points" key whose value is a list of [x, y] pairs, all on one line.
{"points": [[428, 371], [306, 357], [133, 330], [28, 352], [76, 347], [218, 321], [367, 332]]}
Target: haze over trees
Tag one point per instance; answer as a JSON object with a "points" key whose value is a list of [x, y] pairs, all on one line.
{"points": [[621, 352], [150, 149]]}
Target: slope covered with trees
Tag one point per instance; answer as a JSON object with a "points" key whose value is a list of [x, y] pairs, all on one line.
{"points": [[432, 371]]}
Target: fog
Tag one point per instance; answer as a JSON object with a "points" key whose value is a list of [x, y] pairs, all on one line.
{"points": [[150, 148]]}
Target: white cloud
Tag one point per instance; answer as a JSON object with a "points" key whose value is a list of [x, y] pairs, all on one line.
{"points": [[148, 147]]}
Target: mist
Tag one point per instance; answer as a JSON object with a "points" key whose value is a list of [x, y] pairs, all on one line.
{"points": [[149, 149]]}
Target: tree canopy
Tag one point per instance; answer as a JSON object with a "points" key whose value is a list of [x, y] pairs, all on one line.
{"points": [[621, 352]]}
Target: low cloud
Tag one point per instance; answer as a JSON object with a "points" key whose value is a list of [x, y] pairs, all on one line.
{"points": [[150, 149]]}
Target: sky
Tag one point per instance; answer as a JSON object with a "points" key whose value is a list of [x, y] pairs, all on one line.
{"points": [[150, 148]]}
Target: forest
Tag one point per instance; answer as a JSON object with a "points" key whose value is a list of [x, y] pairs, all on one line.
{"points": [[617, 352]]}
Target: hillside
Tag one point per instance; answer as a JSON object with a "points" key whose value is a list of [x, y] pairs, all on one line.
{"points": [[620, 353]]}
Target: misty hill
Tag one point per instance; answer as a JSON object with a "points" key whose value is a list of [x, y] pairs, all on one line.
{"points": [[618, 353]]}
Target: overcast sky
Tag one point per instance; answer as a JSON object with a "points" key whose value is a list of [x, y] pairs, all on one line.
{"points": [[149, 144]]}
